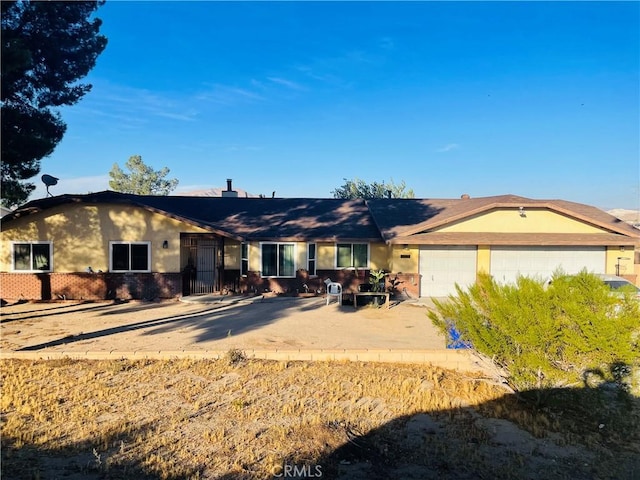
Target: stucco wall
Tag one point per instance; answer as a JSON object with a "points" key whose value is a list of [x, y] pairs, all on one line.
{"points": [[626, 256], [80, 235], [509, 221], [404, 258], [483, 260]]}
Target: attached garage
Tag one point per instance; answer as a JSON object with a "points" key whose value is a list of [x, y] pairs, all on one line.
{"points": [[509, 262], [442, 267]]}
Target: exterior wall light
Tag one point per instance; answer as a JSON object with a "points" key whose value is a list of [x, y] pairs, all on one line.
{"points": [[165, 244]]}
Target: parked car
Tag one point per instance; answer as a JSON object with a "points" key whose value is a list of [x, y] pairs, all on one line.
{"points": [[619, 285]]}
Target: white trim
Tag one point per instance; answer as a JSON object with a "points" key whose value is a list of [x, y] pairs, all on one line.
{"points": [[245, 273], [315, 259], [295, 263], [335, 257], [31, 243], [121, 242]]}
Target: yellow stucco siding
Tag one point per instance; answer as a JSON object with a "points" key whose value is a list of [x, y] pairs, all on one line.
{"points": [[624, 258], [80, 235], [232, 252], [326, 256], [509, 221], [483, 259], [379, 256], [404, 259]]}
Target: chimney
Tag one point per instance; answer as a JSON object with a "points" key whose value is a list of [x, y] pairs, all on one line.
{"points": [[465, 196], [229, 192]]}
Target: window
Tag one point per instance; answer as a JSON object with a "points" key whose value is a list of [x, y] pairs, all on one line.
{"points": [[130, 256], [244, 259], [311, 258], [352, 255], [32, 257], [278, 260]]}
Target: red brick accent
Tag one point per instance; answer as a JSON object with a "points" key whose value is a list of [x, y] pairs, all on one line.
{"points": [[89, 286], [400, 283]]}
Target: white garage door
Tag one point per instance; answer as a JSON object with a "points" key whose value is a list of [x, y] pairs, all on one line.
{"points": [[442, 267], [509, 262]]}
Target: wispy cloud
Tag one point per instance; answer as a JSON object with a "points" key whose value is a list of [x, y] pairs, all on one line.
{"points": [[229, 95], [241, 148], [134, 107], [286, 83], [448, 147]]}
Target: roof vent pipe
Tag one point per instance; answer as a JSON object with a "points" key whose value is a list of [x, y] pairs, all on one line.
{"points": [[229, 192]]}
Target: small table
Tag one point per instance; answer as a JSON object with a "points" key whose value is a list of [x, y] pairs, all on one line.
{"points": [[370, 294]]}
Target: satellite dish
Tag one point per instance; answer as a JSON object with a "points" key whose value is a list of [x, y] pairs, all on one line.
{"points": [[49, 181]]}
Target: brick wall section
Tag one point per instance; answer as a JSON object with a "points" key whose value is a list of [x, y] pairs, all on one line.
{"points": [[89, 286], [401, 283]]}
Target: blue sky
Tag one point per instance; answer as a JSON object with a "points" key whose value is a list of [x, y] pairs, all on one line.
{"points": [[537, 99]]}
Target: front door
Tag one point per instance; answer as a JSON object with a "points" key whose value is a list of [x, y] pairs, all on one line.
{"points": [[199, 257]]}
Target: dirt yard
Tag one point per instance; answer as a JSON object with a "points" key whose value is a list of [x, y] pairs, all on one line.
{"points": [[236, 418], [237, 323], [239, 419]]}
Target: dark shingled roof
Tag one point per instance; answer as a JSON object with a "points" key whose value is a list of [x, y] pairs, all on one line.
{"points": [[292, 219], [322, 219]]}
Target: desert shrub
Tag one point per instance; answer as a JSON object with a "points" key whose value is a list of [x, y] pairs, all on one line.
{"points": [[235, 356], [545, 336]]}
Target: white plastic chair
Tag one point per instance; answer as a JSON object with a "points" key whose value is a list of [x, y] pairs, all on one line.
{"points": [[334, 289]]}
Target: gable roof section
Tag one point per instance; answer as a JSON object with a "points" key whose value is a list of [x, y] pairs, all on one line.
{"points": [[411, 220], [389, 220], [258, 219]]}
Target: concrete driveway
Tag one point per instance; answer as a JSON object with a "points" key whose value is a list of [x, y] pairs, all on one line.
{"points": [[215, 324]]}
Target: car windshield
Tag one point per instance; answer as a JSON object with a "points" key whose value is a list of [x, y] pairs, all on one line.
{"points": [[618, 284]]}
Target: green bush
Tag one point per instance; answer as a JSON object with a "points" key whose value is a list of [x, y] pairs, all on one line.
{"points": [[543, 336]]}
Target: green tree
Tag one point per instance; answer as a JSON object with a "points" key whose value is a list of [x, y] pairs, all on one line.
{"points": [[142, 179], [46, 48], [358, 188]]}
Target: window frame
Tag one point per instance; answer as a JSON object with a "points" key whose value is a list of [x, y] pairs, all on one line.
{"points": [[278, 244], [31, 244], [244, 259], [129, 244], [312, 271], [351, 244]]}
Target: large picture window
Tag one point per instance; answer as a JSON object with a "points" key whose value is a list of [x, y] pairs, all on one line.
{"points": [[130, 256], [278, 259], [352, 255], [32, 257]]}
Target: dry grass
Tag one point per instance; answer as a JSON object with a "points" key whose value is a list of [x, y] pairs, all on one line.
{"points": [[238, 418]]}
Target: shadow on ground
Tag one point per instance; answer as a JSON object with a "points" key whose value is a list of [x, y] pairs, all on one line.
{"points": [[212, 322], [580, 433]]}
